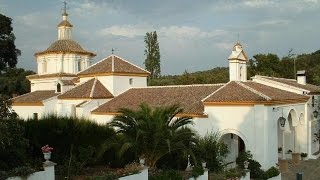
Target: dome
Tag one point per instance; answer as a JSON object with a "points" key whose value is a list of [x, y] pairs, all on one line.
{"points": [[65, 46]]}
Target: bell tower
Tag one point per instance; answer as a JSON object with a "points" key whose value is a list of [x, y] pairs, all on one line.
{"points": [[238, 63], [64, 27]]}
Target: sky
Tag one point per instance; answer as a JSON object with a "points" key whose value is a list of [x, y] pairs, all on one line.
{"points": [[193, 35]]}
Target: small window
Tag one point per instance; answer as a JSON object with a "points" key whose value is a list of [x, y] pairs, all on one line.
{"points": [[58, 87], [130, 81], [35, 116], [79, 65]]}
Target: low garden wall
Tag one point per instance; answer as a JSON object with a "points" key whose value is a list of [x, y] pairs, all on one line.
{"points": [[47, 174], [143, 175], [205, 176]]}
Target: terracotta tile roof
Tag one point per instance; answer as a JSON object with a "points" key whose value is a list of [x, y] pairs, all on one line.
{"points": [[188, 97], [92, 89], [65, 23], [67, 82], [34, 97], [65, 46], [234, 92], [252, 92], [274, 93], [293, 82], [37, 76], [113, 64]]}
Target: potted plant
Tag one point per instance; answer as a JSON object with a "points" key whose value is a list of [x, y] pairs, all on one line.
{"points": [[46, 150], [303, 155]]}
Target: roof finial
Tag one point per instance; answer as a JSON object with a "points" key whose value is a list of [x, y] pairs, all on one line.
{"points": [[112, 51], [65, 8], [238, 38]]}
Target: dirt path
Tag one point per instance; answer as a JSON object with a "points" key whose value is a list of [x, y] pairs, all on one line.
{"points": [[309, 168]]}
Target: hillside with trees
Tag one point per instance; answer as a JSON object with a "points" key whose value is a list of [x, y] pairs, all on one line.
{"points": [[260, 64]]}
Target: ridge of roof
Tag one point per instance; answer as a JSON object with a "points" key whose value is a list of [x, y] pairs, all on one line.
{"points": [[254, 91], [174, 86], [131, 64], [93, 87], [112, 56], [215, 91], [276, 78]]}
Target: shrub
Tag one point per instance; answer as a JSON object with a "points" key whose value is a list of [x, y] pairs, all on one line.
{"points": [[76, 141], [197, 171], [271, 172], [303, 155], [210, 150], [235, 173], [130, 169], [14, 146], [255, 169], [242, 157]]}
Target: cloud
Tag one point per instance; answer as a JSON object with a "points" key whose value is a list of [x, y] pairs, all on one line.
{"points": [[258, 3], [188, 32], [92, 8], [36, 20]]}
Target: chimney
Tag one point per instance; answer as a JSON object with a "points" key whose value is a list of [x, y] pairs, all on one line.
{"points": [[301, 77]]}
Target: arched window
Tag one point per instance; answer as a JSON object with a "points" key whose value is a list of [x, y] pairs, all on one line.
{"points": [[58, 87]]}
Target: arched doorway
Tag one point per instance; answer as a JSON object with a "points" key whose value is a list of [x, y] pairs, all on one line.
{"points": [[235, 145], [289, 134]]}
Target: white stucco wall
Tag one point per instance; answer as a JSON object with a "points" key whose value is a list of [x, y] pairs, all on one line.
{"points": [[85, 109], [118, 84], [26, 112], [57, 63], [101, 119]]}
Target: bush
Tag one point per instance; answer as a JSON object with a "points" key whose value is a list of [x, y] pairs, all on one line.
{"points": [[76, 142], [255, 169], [242, 157], [13, 144], [271, 172], [235, 173], [210, 150], [197, 171]]}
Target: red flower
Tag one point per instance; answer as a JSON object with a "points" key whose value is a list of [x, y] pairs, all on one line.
{"points": [[46, 149]]}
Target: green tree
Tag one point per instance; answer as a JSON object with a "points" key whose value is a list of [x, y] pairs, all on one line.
{"points": [[8, 51], [154, 133], [13, 81], [152, 52]]}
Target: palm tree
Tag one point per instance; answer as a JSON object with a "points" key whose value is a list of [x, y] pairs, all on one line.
{"points": [[153, 133]]}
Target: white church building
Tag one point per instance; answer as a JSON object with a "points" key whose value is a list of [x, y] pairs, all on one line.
{"points": [[259, 115]]}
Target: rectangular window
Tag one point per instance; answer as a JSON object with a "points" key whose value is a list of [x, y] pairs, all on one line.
{"points": [[35, 116], [79, 65], [131, 81]]}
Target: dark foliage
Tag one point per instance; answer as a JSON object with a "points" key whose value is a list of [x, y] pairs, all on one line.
{"points": [[76, 142], [13, 81], [13, 144], [8, 51]]}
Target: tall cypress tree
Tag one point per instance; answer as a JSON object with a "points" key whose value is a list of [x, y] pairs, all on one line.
{"points": [[152, 52], [8, 51]]}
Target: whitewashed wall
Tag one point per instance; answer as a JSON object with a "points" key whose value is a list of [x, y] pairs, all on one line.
{"points": [[26, 112], [118, 84], [57, 63]]}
